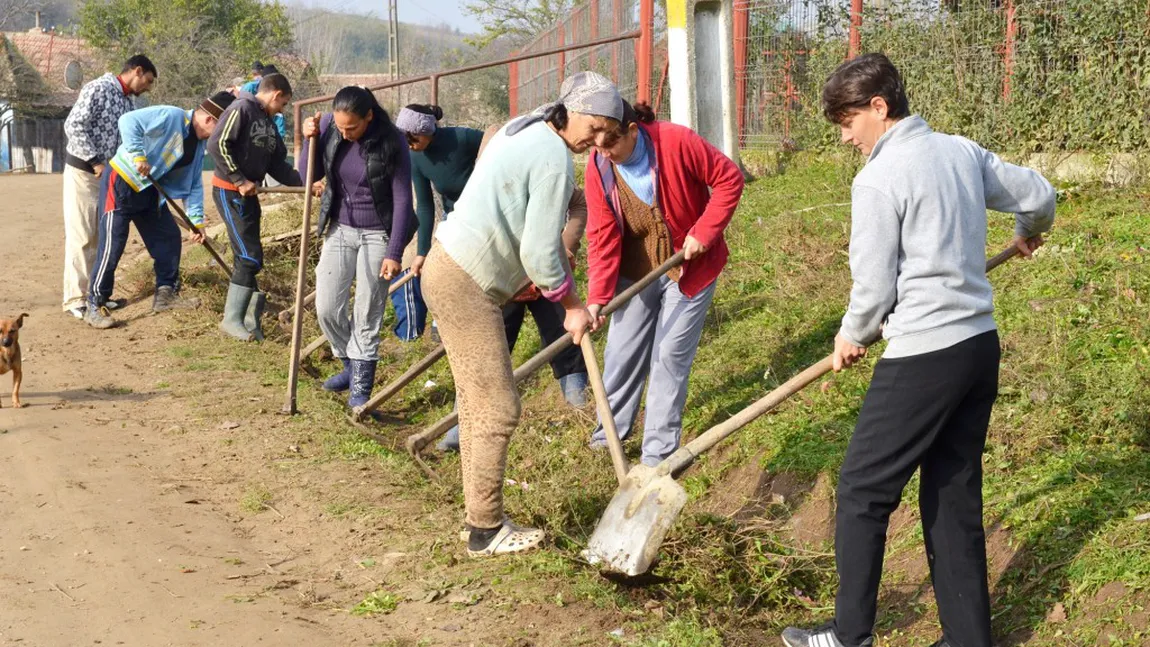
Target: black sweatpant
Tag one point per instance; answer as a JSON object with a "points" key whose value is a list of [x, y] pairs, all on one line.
{"points": [[242, 217], [927, 412], [549, 318]]}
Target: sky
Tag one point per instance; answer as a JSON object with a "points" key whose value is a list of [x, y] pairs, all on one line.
{"points": [[425, 12]]}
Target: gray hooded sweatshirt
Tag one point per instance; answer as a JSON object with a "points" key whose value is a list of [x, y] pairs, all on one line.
{"points": [[918, 237]]}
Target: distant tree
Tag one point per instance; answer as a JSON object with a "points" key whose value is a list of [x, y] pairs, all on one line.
{"points": [[196, 44], [16, 13], [516, 21]]}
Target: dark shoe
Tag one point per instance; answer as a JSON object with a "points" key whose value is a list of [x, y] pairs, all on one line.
{"points": [[340, 381], [823, 636], [235, 308], [168, 299], [362, 381], [941, 643], [99, 317], [255, 314], [574, 389], [115, 304]]}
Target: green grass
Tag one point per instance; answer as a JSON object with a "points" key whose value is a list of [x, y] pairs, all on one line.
{"points": [[377, 602], [1066, 467]]}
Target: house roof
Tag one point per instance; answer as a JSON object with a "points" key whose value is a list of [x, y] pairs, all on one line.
{"points": [[40, 63]]}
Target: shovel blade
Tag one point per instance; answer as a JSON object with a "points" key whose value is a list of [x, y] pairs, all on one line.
{"points": [[632, 528]]}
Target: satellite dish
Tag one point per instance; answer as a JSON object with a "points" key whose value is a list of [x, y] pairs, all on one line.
{"points": [[73, 75]]}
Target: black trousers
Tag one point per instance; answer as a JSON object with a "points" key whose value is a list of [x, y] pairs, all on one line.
{"points": [[242, 217], [549, 318], [927, 412]]}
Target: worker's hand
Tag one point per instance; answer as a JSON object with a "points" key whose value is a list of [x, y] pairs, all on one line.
{"points": [[571, 259], [144, 168], [417, 265], [247, 188], [390, 269], [595, 309], [197, 236], [577, 321], [1027, 246], [846, 354], [98, 169], [318, 187], [310, 125], [692, 248]]}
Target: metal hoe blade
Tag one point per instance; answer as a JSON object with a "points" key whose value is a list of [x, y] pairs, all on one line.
{"points": [[632, 528]]}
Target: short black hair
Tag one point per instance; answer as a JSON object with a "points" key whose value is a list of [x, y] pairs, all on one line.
{"points": [[141, 61], [856, 82], [268, 69], [257, 66], [275, 83]]}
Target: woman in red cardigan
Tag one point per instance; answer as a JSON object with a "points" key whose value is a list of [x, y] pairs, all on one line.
{"points": [[653, 189]]}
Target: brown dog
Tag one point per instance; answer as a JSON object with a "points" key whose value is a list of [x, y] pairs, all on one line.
{"points": [[10, 353]]}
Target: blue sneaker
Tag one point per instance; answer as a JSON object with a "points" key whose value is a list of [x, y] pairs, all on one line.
{"points": [[450, 440], [574, 389]]}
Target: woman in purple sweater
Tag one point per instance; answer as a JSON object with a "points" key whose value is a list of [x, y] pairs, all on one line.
{"points": [[365, 221]]}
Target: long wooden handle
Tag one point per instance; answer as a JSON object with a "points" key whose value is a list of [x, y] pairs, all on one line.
{"points": [[396, 385], [686, 455], [300, 281], [188, 221], [606, 417], [416, 442], [285, 189]]}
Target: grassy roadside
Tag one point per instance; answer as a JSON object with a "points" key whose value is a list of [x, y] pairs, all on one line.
{"points": [[1067, 465]]}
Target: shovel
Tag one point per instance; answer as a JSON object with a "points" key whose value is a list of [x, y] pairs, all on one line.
{"points": [[649, 501]]}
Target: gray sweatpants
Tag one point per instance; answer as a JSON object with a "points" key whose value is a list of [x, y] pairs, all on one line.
{"points": [[351, 255], [655, 335]]}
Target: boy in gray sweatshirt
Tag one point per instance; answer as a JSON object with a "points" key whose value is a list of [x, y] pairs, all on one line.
{"points": [[918, 259]]}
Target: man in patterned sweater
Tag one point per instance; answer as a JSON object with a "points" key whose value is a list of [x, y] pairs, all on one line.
{"points": [[92, 128]]}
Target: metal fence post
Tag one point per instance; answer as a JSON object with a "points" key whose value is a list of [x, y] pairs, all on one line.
{"points": [[1008, 49], [643, 65], [513, 86], [742, 28], [856, 25]]}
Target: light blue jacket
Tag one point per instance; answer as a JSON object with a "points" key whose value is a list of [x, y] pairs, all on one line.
{"points": [[157, 133]]}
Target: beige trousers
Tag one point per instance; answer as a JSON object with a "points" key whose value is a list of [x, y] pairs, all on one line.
{"points": [[471, 327], [81, 218]]}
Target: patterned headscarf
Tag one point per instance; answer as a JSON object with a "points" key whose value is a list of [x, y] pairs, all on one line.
{"points": [[587, 93]]}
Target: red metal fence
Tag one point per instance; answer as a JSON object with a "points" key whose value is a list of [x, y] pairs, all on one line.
{"points": [[638, 68]]}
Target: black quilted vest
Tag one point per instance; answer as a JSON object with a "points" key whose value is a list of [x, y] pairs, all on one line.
{"points": [[378, 180]]}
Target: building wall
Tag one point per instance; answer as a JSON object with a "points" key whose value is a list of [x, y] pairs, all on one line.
{"points": [[39, 143]]}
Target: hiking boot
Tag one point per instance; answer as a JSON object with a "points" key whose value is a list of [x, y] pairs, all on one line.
{"points": [[255, 314], [823, 636], [362, 381], [168, 299], [235, 308], [574, 389], [340, 381], [99, 317]]}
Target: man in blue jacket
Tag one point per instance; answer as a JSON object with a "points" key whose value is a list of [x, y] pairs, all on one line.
{"points": [[165, 144]]}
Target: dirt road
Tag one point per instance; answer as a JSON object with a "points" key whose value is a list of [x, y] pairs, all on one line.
{"points": [[102, 537]]}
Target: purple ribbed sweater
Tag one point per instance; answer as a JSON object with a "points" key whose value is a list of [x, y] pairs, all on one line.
{"points": [[352, 204]]}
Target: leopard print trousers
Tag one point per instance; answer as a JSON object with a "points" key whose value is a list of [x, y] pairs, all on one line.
{"points": [[471, 327]]}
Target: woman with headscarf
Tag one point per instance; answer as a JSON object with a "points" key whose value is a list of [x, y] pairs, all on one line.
{"points": [[442, 159], [655, 188], [365, 221], [507, 232]]}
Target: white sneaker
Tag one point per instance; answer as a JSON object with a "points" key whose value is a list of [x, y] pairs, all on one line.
{"points": [[77, 312]]}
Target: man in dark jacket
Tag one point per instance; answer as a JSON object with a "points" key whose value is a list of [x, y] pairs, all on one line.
{"points": [[245, 147]]}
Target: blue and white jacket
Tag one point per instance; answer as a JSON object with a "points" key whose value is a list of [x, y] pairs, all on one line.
{"points": [[157, 134]]}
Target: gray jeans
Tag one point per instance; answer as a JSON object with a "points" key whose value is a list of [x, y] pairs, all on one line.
{"points": [[655, 335], [351, 255]]}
